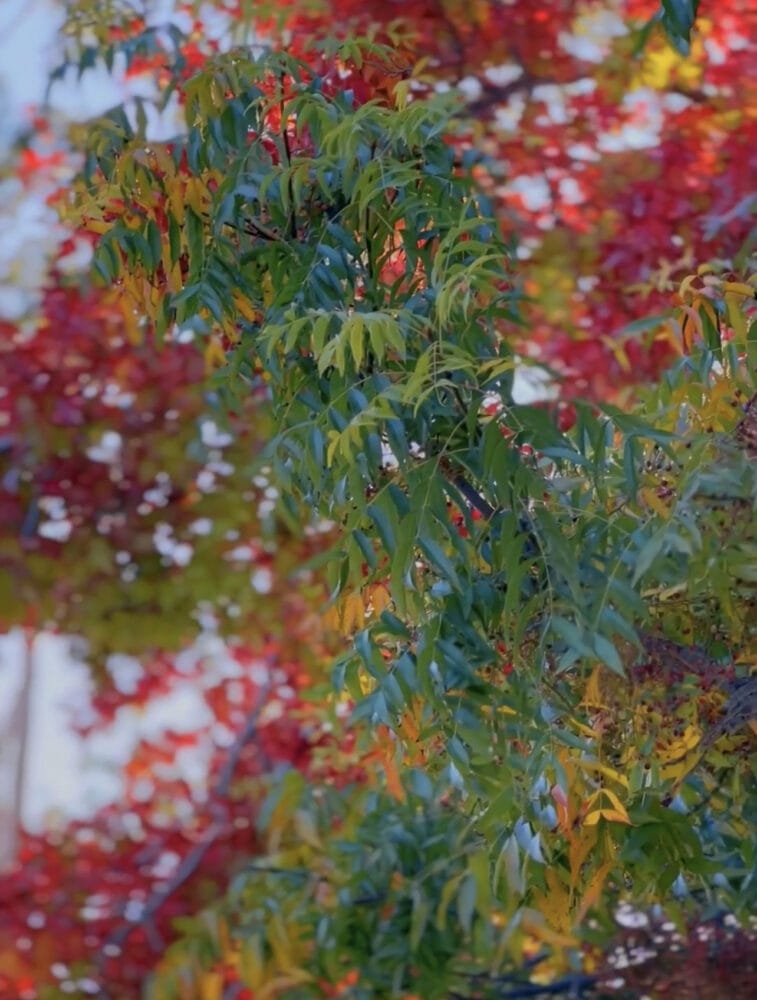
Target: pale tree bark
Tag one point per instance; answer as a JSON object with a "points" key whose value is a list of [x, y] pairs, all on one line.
{"points": [[13, 750]]}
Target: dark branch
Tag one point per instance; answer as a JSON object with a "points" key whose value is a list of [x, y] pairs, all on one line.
{"points": [[475, 499], [246, 735], [194, 858]]}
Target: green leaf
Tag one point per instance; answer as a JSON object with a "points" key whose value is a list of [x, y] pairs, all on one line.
{"points": [[649, 553], [440, 561], [634, 426], [508, 864], [419, 917], [385, 519], [466, 903], [353, 331], [678, 20], [574, 636], [607, 652]]}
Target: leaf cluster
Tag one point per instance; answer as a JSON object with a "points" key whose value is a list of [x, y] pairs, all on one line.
{"points": [[344, 255]]}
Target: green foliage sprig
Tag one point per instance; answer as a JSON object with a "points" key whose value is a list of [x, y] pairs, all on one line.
{"points": [[360, 275]]}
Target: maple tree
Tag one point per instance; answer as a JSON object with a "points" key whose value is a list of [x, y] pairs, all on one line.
{"points": [[139, 501], [139, 526], [137, 515], [587, 115], [550, 608]]}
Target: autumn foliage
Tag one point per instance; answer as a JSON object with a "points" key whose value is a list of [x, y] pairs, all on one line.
{"points": [[476, 667]]}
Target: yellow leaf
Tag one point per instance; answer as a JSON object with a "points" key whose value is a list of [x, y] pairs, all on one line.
{"points": [[619, 352], [447, 894], [330, 619], [616, 803], [278, 939], [211, 986], [595, 767], [676, 748], [611, 815], [196, 196], [679, 757], [353, 614], [705, 269], [132, 328], [737, 319], [215, 356], [648, 496], [245, 308], [533, 923], [616, 814], [267, 284], [669, 334], [176, 201], [96, 226], [691, 328], [594, 888], [592, 695], [739, 288], [558, 899], [377, 598], [580, 848]]}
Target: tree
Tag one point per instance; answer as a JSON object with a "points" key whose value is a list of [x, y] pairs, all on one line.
{"points": [[550, 623], [140, 526], [91, 907], [587, 115], [109, 494]]}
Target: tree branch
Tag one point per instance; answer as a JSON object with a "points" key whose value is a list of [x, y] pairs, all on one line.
{"points": [[245, 736], [194, 858], [475, 499]]}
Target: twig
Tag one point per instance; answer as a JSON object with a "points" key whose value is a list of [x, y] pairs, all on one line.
{"points": [[245, 736], [475, 499], [574, 986], [256, 229], [188, 867], [193, 859]]}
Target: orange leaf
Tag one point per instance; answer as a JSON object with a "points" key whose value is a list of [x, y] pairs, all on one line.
{"points": [[392, 775], [691, 328]]}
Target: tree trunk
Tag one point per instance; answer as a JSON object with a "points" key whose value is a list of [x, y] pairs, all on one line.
{"points": [[13, 753]]}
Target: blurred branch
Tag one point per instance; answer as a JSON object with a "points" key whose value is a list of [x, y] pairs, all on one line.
{"points": [[246, 735], [193, 859], [513, 987]]}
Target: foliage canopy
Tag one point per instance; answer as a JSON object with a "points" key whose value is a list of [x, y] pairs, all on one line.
{"points": [[550, 623]]}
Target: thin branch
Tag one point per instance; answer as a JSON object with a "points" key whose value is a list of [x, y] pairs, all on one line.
{"points": [[475, 499], [575, 986], [194, 858], [695, 95], [256, 229], [572, 986], [298, 873], [187, 868], [246, 735]]}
